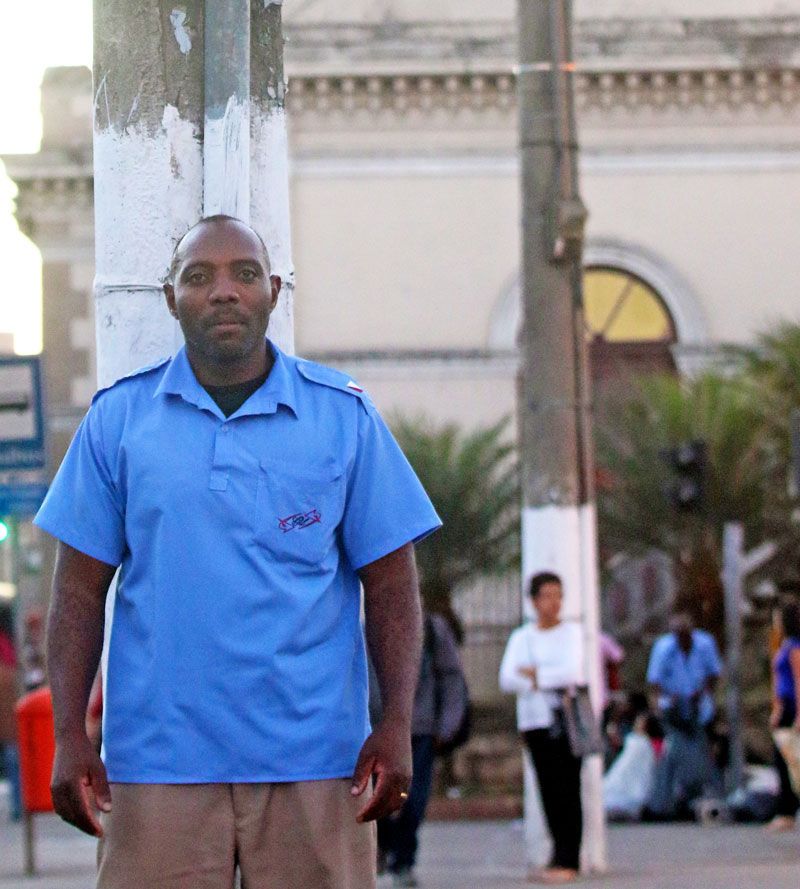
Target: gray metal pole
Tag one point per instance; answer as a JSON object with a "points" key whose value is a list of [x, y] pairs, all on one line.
{"points": [[732, 580], [226, 135], [558, 518]]}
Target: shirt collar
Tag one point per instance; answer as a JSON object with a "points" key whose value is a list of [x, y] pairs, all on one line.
{"points": [[278, 388]]}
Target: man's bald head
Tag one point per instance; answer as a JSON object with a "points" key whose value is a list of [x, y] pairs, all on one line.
{"points": [[216, 219]]}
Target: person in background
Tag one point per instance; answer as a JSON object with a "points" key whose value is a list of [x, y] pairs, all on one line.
{"points": [[611, 656], [9, 752], [440, 703], [786, 709], [683, 671], [539, 659]]}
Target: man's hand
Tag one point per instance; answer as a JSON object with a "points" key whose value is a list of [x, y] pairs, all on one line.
{"points": [[387, 754], [79, 784], [528, 673]]}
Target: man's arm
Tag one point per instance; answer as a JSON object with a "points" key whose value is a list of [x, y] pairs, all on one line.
{"points": [[394, 636], [74, 645]]}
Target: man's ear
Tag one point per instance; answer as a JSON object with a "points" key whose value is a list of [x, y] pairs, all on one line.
{"points": [[275, 287], [169, 295]]}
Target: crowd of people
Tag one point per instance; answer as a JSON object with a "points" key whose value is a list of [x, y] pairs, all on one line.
{"points": [[665, 754]]}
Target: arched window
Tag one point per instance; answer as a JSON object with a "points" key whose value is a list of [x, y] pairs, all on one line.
{"points": [[622, 308], [629, 327]]}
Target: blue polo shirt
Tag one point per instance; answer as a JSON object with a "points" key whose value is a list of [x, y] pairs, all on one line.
{"points": [[236, 651], [684, 675]]}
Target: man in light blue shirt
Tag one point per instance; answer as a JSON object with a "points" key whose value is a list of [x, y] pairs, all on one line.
{"points": [[246, 497], [684, 669]]}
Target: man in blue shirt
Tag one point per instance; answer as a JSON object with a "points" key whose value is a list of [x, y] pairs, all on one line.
{"points": [[684, 669], [246, 496]]}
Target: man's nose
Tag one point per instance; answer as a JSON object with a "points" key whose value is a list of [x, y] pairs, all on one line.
{"points": [[224, 290]]}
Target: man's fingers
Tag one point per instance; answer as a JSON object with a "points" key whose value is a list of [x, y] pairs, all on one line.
{"points": [[362, 773], [388, 796], [72, 804], [102, 792]]}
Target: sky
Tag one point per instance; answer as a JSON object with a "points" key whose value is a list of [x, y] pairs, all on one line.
{"points": [[34, 36]]}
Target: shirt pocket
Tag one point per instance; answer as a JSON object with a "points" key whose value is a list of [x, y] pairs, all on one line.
{"points": [[298, 510]]}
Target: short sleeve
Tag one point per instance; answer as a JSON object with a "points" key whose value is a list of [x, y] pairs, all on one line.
{"points": [[656, 665], [712, 658], [386, 505], [83, 507]]}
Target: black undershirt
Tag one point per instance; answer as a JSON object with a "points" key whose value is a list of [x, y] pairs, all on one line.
{"points": [[230, 398]]}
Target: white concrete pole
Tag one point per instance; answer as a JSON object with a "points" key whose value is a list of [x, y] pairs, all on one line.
{"points": [[558, 517], [160, 84], [148, 171]]}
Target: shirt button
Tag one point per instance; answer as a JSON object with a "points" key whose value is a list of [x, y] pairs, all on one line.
{"points": [[224, 430]]}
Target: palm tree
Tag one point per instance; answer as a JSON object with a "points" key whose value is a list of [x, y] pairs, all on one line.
{"points": [[472, 479], [741, 479]]}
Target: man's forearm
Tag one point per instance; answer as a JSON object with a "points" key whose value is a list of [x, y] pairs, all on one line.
{"points": [[75, 635], [394, 630]]}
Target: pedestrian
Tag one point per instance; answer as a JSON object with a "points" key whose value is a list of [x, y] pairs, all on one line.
{"points": [[683, 672], [440, 707], [540, 659], [246, 496], [9, 749], [785, 711]]}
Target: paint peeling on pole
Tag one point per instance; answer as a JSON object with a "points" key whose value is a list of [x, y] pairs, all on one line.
{"points": [[178, 19], [148, 171]]}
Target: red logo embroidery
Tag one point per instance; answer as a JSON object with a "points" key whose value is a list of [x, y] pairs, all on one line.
{"points": [[299, 520]]}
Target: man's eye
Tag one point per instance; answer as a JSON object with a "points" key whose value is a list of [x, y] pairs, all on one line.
{"points": [[196, 278], [248, 275]]}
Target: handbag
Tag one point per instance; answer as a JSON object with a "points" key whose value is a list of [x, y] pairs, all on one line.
{"points": [[787, 740], [580, 724]]}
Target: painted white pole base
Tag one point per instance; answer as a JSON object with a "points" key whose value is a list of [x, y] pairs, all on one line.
{"points": [[562, 539]]}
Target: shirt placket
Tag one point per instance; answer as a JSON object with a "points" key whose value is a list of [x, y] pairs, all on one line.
{"points": [[221, 462]]}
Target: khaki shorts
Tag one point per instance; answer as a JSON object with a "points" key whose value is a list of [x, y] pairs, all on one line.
{"points": [[300, 835]]}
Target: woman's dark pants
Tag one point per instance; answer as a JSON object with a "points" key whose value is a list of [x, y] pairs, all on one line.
{"points": [[559, 775]]}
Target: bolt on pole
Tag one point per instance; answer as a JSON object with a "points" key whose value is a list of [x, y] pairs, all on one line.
{"points": [[558, 515]]}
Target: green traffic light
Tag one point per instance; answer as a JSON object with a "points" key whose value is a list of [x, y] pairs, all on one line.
{"points": [[4, 532]]}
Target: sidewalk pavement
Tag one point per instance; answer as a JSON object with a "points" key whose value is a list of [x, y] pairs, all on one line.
{"points": [[489, 855]]}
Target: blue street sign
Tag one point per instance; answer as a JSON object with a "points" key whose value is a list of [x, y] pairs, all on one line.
{"points": [[21, 500], [21, 415]]}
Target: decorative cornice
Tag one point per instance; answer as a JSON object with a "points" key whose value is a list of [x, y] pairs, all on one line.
{"points": [[710, 88], [51, 199], [401, 93], [602, 89]]}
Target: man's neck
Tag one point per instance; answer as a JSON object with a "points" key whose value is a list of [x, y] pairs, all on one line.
{"points": [[211, 373]]}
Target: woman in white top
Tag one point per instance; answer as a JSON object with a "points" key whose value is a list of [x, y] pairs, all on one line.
{"points": [[539, 660]]}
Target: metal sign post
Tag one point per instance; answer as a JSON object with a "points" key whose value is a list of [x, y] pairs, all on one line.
{"points": [[736, 565]]}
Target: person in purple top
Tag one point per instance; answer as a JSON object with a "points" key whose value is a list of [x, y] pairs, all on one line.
{"points": [[786, 708]]}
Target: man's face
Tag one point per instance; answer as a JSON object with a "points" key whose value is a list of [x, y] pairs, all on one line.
{"points": [[222, 294], [681, 626]]}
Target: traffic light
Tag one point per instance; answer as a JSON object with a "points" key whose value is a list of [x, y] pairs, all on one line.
{"points": [[686, 488], [5, 531]]}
